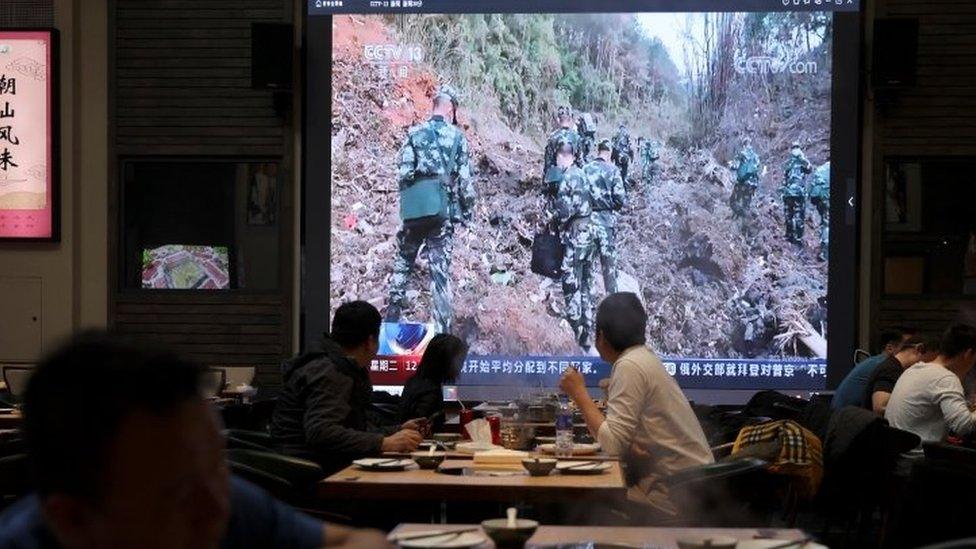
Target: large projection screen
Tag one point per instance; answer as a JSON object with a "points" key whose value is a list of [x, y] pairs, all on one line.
{"points": [[738, 226]]}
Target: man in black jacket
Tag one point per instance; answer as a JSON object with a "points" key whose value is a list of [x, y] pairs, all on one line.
{"points": [[321, 412]]}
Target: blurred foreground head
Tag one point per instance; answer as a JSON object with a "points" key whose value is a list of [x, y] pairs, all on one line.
{"points": [[126, 451], [621, 323]]}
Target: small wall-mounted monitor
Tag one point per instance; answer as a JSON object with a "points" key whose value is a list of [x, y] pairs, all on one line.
{"points": [[186, 267]]}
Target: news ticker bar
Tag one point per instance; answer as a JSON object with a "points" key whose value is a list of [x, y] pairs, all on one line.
{"points": [[330, 7]]}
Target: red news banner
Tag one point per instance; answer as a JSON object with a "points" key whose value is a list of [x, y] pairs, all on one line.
{"points": [[26, 141]]}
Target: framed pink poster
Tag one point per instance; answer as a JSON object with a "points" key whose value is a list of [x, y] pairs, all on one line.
{"points": [[29, 174]]}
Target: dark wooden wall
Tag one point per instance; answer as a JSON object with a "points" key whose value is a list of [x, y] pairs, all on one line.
{"points": [[181, 87], [27, 13], [934, 118]]}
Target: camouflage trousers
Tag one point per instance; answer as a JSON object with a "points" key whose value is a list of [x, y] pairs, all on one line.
{"points": [[794, 211], [438, 238], [577, 281], [741, 199], [603, 233], [650, 172], [823, 209]]}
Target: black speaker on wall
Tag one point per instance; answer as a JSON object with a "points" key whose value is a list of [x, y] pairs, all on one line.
{"points": [[895, 52], [271, 56]]}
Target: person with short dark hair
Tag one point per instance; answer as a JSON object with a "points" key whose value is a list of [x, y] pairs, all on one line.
{"points": [[322, 413], [127, 452], [914, 350], [928, 398], [853, 390], [649, 421], [423, 394]]}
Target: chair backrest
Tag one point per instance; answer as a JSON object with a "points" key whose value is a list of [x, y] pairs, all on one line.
{"points": [[16, 378], [860, 355], [214, 381], [235, 376]]}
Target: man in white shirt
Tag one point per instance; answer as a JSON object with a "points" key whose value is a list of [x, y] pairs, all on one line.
{"points": [[928, 398], [649, 421]]}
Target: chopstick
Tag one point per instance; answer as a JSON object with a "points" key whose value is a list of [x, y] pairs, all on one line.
{"points": [[430, 534], [797, 542], [590, 464]]}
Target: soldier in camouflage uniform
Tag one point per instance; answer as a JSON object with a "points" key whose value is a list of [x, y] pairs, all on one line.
{"points": [[795, 193], [820, 198], [565, 133], [426, 154], [607, 197], [586, 127], [622, 155], [746, 166], [650, 153], [572, 212]]}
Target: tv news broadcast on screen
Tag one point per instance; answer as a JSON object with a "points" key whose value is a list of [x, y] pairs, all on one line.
{"points": [[711, 139]]}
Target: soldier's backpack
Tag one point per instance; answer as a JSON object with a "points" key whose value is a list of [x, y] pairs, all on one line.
{"points": [[425, 199], [547, 255], [587, 124], [748, 167]]}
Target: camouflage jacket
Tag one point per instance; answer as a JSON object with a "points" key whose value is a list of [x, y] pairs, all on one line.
{"points": [[820, 182], [555, 138], [606, 186], [621, 143], [747, 165], [649, 153], [420, 157], [794, 172], [572, 198]]}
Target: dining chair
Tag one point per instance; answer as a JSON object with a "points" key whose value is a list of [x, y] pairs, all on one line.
{"points": [[16, 378], [214, 381]]}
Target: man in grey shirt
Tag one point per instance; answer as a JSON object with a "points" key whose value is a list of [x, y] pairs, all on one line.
{"points": [[649, 422], [928, 398]]}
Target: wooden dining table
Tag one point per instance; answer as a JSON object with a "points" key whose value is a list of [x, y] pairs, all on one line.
{"points": [[12, 419], [416, 484], [663, 538]]}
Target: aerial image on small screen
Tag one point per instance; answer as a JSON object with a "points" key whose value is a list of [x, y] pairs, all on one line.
{"points": [[182, 267], [698, 177]]}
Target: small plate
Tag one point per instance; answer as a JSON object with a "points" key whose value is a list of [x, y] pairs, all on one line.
{"points": [[582, 467], [579, 449], [383, 464], [455, 541], [472, 447]]}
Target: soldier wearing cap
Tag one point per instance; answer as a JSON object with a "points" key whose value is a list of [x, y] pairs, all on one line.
{"points": [[794, 193], [746, 167], [607, 197], [566, 132], [820, 199], [436, 193], [572, 217], [622, 152], [650, 152]]}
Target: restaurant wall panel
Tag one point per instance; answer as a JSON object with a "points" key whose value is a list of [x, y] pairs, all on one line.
{"points": [[936, 117], [183, 79], [181, 89], [73, 273], [216, 330]]}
